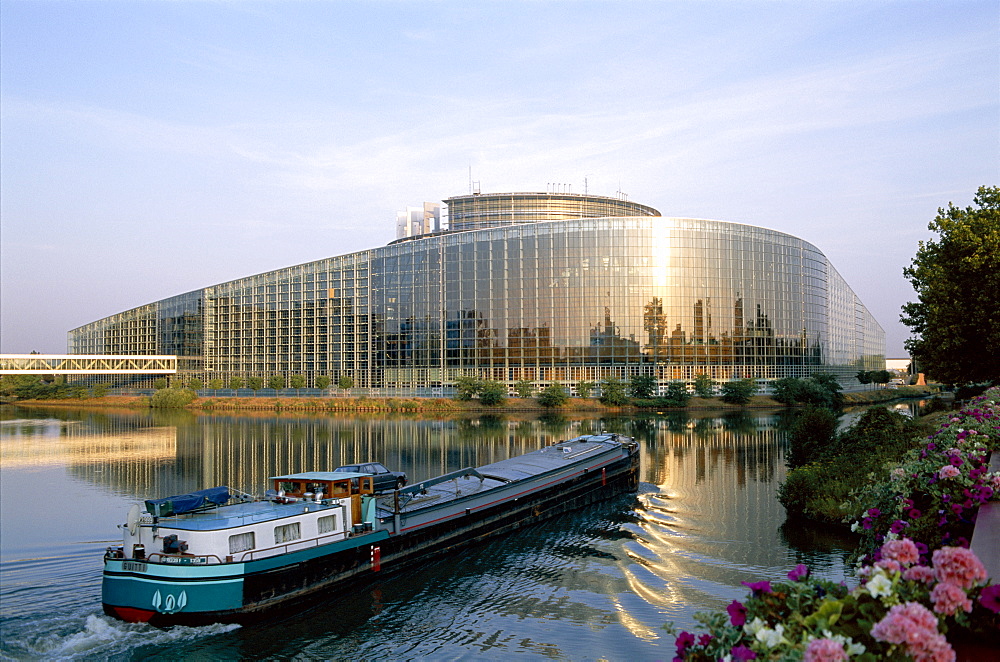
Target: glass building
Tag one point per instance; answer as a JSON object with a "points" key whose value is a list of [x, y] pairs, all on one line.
{"points": [[525, 286]]}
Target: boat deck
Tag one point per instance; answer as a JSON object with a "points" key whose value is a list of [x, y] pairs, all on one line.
{"points": [[238, 514], [499, 474]]}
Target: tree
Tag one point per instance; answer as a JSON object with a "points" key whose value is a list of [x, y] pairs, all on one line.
{"points": [[864, 376], [957, 280], [881, 377], [236, 383], [297, 382], [677, 394], [738, 391], [553, 395], [613, 392], [255, 383], [492, 393], [584, 389], [345, 382], [703, 386], [215, 384], [277, 382], [642, 386], [160, 383], [524, 388], [466, 388], [195, 384], [322, 382]]}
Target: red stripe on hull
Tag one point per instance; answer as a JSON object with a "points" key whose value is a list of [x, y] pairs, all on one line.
{"points": [[130, 614]]}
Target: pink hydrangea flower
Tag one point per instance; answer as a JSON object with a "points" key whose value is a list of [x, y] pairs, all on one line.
{"points": [[903, 551], [825, 650], [889, 565], [948, 471], [949, 597], [958, 565]]}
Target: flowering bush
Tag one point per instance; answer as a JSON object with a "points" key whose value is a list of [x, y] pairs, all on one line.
{"points": [[933, 495], [917, 580], [901, 608]]}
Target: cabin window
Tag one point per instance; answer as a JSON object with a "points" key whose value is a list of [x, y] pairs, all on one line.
{"points": [[327, 524], [287, 533], [241, 542]]}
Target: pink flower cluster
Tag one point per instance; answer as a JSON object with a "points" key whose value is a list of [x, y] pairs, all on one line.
{"points": [[948, 471], [958, 565], [825, 650], [915, 627]]}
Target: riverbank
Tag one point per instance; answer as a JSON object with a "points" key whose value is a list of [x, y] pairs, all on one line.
{"points": [[415, 405]]}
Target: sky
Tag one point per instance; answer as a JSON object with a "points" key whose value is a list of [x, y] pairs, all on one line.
{"points": [[149, 149]]}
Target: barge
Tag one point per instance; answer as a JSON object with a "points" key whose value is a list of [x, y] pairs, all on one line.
{"points": [[219, 555]]}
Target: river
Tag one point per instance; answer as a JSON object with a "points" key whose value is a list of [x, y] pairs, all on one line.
{"points": [[592, 585]]}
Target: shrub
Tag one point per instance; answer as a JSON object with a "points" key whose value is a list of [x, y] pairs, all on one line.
{"points": [[584, 389], [613, 392], [677, 394], [642, 386], [811, 437], [172, 398], [466, 388], [553, 395], [524, 388], [703, 386], [159, 383], [492, 393], [738, 391]]}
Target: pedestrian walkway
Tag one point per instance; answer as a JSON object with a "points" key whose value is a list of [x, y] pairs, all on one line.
{"points": [[986, 535]]}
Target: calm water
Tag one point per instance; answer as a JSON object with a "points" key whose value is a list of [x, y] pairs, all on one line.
{"points": [[597, 584]]}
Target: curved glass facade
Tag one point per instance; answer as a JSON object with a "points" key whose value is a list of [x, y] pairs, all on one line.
{"points": [[490, 210], [567, 300]]}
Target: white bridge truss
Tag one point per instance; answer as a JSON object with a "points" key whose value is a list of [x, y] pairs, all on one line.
{"points": [[86, 364]]}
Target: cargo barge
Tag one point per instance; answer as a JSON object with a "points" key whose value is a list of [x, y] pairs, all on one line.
{"points": [[219, 555]]}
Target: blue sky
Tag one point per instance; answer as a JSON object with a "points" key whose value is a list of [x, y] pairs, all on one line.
{"points": [[153, 148]]}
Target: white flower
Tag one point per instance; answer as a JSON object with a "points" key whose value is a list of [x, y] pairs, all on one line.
{"points": [[855, 527], [754, 626], [769, 637], [851, 647], [879, 585]]}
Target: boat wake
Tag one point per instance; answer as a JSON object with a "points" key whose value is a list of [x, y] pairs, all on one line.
{"points": [[94, 637]]}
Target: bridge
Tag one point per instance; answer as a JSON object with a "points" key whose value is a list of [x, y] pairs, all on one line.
{"points": [[86, 364]]}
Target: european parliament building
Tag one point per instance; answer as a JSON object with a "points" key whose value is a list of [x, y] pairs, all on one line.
{"points": [[522, 286]]}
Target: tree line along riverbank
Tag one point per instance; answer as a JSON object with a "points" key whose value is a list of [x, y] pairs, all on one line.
{"points": [[445, 405]]}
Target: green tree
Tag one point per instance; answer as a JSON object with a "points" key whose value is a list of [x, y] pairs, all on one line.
{"points": [[235, 383], [957, 281], [738, 391], [864, 377], [100, 390], [467, 388], [322, 382], [881, 377], [215, 384], [703, 386], [195, 383], [584, 389], [524, 388], [277, 382], [492, 393], [345, 382], [811, 436], [677, 394], [297, 382], [613, 392], [553, 395], [642, 386], [160, 383], [255, 383]]}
